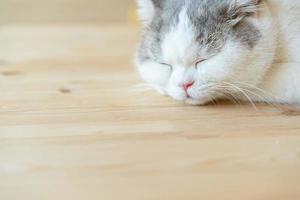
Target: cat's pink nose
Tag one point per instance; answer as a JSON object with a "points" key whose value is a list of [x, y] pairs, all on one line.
{"points": [[187, 85]]}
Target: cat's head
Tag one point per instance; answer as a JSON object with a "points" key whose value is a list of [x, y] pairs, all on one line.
{"points": [[198, 50]]}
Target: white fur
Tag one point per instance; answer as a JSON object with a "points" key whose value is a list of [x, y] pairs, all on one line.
{"points": [[154, 74], [283, 79], [177, 48], [178, 42], [146, 10], [269, 72]]}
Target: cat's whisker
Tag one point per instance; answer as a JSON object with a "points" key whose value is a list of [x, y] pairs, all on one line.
{"points": [[242, 92], [227, 91], [230, 96], [265, 97], [221, 91]]}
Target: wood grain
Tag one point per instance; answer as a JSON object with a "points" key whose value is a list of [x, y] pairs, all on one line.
{"points": [[74, 126], [62, 11]]}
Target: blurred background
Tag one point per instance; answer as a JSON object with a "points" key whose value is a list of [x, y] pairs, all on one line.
{"points": [[66, 11]]}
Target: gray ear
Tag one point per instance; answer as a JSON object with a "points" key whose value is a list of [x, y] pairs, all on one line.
{"points": [[146, 10], [239, 9]]}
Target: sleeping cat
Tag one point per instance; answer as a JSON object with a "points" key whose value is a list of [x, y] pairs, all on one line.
{"points": [[197, 51]]}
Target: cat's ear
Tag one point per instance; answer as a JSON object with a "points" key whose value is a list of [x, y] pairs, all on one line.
{"points": [[146, 10], [239, 9]]}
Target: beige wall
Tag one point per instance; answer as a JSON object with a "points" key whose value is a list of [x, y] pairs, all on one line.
{"points": [[61, 11]]}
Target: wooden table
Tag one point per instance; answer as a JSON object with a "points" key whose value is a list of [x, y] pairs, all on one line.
{"points": [[74, 126]]}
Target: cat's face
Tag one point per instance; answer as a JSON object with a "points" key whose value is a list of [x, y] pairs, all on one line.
{"points": [[200, 50]]}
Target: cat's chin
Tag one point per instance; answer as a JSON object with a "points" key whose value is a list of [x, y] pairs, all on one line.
{"points": [[198, 102], [182, 97]]}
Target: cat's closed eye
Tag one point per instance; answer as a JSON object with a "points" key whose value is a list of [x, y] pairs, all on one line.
{"points": [[168, 65], [198, 62]]}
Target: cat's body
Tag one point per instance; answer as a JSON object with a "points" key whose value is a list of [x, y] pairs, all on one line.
{"points": [[200, 50], [283, 78]]}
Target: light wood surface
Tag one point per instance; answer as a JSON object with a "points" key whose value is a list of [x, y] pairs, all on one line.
{"points": [[61, 11], [74, 126]]}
